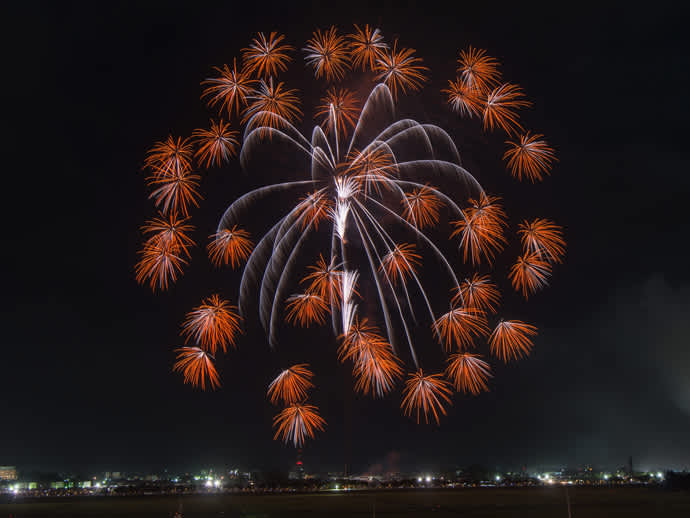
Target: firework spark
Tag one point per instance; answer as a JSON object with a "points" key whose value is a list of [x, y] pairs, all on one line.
{"points": [[530, 158], [170, 157], [176, 192], [231, 88], [265, 56], [197, 367], [459, 327], [400, 70], [328, 53], [544, 238], [272, 104], [170, 233], [468, 373], [325, 281], [297, 422], [215, 145], [463, 99], [478, 292], [366, 47], [230, 246], [291, 385], [501, 108], [213, 324], [425, 395], [421, 207], [305, 309], [400, 263], [530, 273], [338, 111], [478, 71], [159, 264], [510, 340]]}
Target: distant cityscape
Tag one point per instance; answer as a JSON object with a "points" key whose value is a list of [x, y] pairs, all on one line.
{"points": [[16, 483]]}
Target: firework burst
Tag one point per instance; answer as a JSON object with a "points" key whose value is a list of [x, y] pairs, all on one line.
{"points": [[356, 202]]}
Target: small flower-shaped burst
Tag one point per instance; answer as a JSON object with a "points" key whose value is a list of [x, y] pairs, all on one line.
{"points": [[230, 88], [197, 367], [375, 365], [325, 281], [170, 233], [500, 109], [478, 71], [530, 158], [213, 324], [160, 263], [459, 327], [291, 385], [479, 237], [272, 103], [266, 56], [421, 207], [425, 395], [171, 157], [372, 169], [468, 373], [510, 340], [530, 273], [463, 99], [215, 145], [366, 46], [175, 193], [478, 292], [339, 107], [400, 70], [298, 422], [327, 52], [400, 263], [315, 207], [544, 238], [303, 309], [231, 246]]}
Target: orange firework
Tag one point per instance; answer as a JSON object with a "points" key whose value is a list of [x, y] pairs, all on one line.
{"points": [[529, 273], [400, 262], [375, 365], [176, 192], [297, 422], [463, 99], [510, 340], [478, 71], [339, 107], [468, 373], [543, 237], [372, 169], [272, 103], [197, 367], [459, 327], [481, 231], [421, 207], [479, 293], [500, 109], [213, 324], [425, 395], [530, 157], [159, 264], [230, 88], [265, 56], [366, 46], [231, 246], [327, 52], [170, 157], [291, 385], [315, 207], [216, 145], [170, 233], [306, 308], [325, 281], [400, 69]]}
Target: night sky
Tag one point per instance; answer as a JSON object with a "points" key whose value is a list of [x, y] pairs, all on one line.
{"points": [[85, 377]]}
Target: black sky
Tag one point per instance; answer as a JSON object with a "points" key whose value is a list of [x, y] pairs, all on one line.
{"points": [[85, 378]]}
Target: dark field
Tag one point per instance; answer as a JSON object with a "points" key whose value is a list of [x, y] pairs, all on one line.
{"points": [[532, 502]]}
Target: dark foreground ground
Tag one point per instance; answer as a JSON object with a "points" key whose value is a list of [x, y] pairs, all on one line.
{"points": [[469, 503]]}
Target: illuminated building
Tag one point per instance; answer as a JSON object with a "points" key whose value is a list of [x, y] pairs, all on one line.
{"points": [[8, 473]]}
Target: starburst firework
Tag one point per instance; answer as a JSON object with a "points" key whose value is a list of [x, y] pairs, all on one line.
{"points": [[510, 340], [468, 373], [266, 56], [328, 53], [297, 422], [214, 324], [197, 367], [230, 89], [425, 396], [291, 385]]}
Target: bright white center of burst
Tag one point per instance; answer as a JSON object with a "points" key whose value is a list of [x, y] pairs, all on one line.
{"points": [[342, 209], [349, 281], [345, 187]]}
